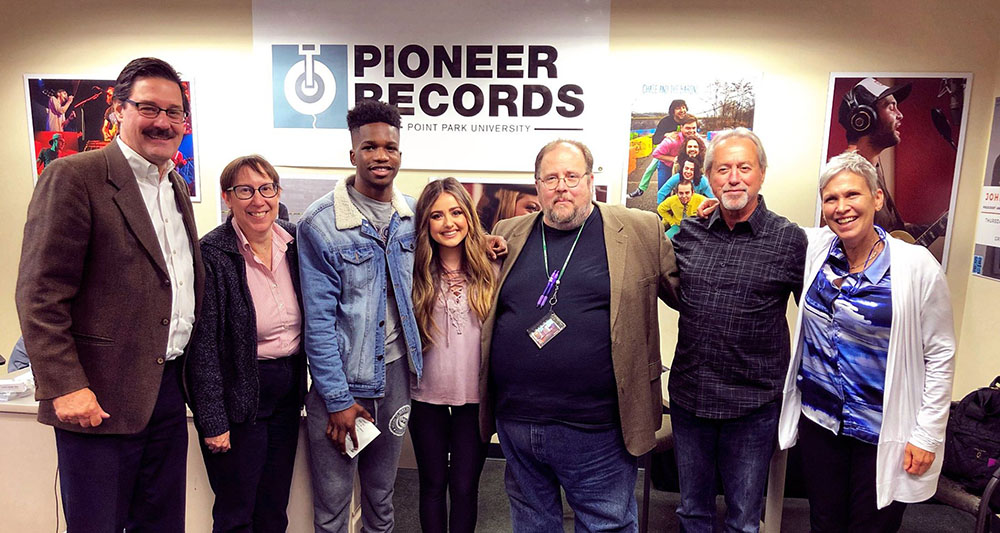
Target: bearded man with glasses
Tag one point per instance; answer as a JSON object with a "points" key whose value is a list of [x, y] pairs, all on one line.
{"points": [[572, 349], [109, 285]]}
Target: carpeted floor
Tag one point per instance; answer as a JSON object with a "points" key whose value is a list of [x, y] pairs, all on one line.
{"points": [[494, 511]]}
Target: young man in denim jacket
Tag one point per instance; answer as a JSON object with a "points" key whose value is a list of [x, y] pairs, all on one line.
{"points": [[356, 264]]}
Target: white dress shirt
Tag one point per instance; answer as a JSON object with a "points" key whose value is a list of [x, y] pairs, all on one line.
{"points": [[158, 195]]}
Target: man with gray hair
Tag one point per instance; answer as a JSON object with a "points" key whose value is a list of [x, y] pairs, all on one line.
{"points": [[737, 269]]}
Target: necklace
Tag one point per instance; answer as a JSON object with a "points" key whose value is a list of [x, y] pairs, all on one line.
{"points": [[854, 269]]}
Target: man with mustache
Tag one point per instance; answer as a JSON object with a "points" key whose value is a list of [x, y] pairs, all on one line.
{"points": [[871, 119], [356, 268], [737, 269], [679, 206], [107, 294], [570, 378]]}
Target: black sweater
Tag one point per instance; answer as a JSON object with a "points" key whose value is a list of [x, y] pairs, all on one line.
{"points": [[222, 363]]}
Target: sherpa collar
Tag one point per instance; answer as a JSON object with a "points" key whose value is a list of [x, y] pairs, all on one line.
{"points": [[347, 214]]}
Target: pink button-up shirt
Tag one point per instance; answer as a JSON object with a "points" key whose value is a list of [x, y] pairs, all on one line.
{"points": [[279, 319]]}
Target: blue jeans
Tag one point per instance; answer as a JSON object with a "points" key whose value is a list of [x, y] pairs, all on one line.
{"points": [[593, 467], [739, 450]]}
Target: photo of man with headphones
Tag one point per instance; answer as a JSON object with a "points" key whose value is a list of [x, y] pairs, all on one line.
{"points": [[870, 115], [917, 175]]}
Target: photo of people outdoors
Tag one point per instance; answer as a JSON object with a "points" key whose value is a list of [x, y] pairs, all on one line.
{"points": [[671, 126], [916, 158], [68, 116]]}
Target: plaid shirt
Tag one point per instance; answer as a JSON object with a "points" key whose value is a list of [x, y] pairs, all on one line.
{"points": [[733, 343]]}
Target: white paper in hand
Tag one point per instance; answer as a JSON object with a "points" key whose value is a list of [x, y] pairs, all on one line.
{"points": [[366, 433]]}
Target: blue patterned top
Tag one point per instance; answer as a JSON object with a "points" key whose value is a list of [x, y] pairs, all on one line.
{"points": [[846, 334]]}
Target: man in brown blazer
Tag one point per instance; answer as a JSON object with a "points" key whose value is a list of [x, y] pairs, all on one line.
{"points": [[570, 376], [107, 295]]}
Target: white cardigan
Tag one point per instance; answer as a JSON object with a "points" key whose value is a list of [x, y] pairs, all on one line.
{"points": [[918, 374]]}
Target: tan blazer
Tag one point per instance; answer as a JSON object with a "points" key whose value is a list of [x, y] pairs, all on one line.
{"points": [[93, 294], [642, 267]]}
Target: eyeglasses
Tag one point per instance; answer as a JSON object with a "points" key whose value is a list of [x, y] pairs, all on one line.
{"points": [[151, 111], [246, 192], [551, 182]]}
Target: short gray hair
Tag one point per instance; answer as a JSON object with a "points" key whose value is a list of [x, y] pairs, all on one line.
{"points": [[851, 162], [737, 133]]}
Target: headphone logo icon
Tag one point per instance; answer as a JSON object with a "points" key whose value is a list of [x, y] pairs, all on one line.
{"points": [[310, 85]]}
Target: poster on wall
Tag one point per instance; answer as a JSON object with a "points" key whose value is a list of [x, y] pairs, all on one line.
{"points": [[67, 115], [986, 256], [473, 94], [912, 127], [671, 124]]}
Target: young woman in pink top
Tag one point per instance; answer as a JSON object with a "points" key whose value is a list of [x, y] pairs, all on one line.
{"points": [[453, 285]]}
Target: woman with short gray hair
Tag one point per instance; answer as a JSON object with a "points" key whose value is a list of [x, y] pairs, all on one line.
{"points": [[871, 372]]}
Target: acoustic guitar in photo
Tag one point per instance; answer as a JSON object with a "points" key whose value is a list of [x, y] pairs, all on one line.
{"points": [[931, 234]]}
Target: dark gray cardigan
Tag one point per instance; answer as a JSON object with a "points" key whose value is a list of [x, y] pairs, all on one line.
{"points": [[222, 363]]}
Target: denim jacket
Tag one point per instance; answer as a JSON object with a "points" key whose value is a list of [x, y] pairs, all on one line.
{"points": [[342, 267]]}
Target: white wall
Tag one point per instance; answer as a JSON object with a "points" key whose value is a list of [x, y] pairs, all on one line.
{"points": [[795, 44]]}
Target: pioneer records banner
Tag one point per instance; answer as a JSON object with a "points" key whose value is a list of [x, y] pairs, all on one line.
{"points": [[480, 85]]}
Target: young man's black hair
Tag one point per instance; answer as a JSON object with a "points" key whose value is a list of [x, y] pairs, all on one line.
{"points": [[371, 112]]}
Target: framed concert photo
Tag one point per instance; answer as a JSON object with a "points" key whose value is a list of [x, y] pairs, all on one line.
{"points": [[68, 115]]}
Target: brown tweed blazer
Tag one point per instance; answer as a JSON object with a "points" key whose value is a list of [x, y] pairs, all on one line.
{"points": [[642, 267], [93, 294]]}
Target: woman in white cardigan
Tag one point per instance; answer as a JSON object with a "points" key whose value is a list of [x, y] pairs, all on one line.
{"points": [[872, 366]]}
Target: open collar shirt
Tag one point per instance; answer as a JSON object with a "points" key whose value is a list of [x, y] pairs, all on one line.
{"points": [[733, 343], [279, 319], [846, 328], [158, 195]]}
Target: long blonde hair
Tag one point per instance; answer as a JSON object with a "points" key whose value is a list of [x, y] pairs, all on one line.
{"points": [[479, 272]]}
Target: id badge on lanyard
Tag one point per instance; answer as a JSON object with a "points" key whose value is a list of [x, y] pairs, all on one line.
{"points": [[550, 325]]}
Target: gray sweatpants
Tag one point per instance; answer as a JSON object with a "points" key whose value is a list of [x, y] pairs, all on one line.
{"points": [[333, 473]]}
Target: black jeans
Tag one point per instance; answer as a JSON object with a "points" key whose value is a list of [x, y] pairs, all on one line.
{"points": [[252, 480], [839, 474], [437, 431]]}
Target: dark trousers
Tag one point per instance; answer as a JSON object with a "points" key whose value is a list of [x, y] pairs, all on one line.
{"points": [[839, 474], [252, 480], [134, 482], [437, 431]]}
